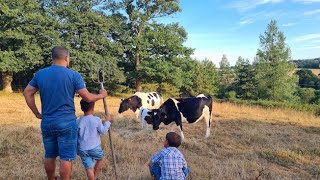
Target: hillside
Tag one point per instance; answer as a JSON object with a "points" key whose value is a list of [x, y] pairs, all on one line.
{"points": [[308, 63]]}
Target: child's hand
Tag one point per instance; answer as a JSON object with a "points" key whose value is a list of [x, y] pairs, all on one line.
{"points": [[108, 117]]}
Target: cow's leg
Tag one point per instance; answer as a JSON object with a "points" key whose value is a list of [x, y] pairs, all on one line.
{"points": [[208, 124], [137, 112], [144, 124], [181, 131]]}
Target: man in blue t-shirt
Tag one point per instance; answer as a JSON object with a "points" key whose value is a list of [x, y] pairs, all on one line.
{"points": [[57, 86]]}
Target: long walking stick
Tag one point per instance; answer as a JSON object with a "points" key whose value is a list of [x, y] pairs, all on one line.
{"points": [[100, 80]]}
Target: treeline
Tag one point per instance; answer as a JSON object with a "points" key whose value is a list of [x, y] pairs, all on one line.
{"points": [[138, 52], [308, 63]]}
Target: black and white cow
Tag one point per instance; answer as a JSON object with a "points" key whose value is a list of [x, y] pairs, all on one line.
{"points": [[180, 110], [139, 100], [145, 117]]}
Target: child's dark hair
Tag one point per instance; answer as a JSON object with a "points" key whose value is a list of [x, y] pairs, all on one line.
{"points": [[174, 139], [86, 106]]}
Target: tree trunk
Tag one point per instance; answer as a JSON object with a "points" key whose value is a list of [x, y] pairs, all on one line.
{"points": [[7, 78], [138, 80]]}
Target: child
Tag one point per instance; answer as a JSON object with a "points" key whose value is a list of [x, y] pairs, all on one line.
{"points": [[169, 162], [89, 143]]}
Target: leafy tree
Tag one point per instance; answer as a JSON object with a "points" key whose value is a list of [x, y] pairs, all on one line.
{"points": [[203, 78], [307, 95], [86, 30], [225, 77], [273, 70], [139, 15], [307, 79], [308, 63], [165, 57], [244, 84], [26, 33]]}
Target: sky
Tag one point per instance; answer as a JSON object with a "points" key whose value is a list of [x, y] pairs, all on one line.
{"points": [[217, 27]]}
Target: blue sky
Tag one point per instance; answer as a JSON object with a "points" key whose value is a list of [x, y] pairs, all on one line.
{"points": [[217, 27]]}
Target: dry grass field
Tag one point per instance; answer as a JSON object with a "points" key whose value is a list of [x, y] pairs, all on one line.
{"points": [[245, 143]]}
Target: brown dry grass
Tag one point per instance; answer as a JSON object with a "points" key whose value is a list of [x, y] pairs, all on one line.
{"points": [[244, 142]]}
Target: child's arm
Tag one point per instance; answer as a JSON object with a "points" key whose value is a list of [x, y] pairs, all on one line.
{"points": [[185, 168], [103, 128]]}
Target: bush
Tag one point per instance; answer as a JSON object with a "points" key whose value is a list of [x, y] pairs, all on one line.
{"points": [[307, 95], [231, 95]]}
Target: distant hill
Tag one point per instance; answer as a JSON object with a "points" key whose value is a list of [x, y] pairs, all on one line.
{"points": [[308, 63]]}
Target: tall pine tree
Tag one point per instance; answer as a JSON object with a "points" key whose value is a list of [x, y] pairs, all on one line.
{"points": [[244, 84], [225, 77], [273, 69]]}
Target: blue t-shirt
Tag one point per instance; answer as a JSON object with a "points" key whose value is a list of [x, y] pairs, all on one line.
{"points": [[57, 86]]}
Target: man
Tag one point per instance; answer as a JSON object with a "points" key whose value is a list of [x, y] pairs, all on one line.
{"points": [[57, 86]]}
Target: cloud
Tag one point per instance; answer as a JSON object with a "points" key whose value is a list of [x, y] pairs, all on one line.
{"points": [[308, 37], [312, 12], [307, 1], [245, 5], [288, 24], [309, 47], [246, 21]]}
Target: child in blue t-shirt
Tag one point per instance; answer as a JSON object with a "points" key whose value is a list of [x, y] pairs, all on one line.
{"points": [[90, 128]]}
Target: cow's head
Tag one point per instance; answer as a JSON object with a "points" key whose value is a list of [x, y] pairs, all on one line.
{"points": [[133, 103], [158, 116], [155, 120]]}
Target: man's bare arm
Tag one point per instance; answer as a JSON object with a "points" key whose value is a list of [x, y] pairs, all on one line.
{"points": [[89, 97], [28, 94]]}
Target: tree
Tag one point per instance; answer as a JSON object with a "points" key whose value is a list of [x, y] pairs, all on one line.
{"points": [[307, 79], [139, 15], [273, 70], [204, 75], [25, 34], [165, 57], [244, 84], [225, 76], [86, 30]]}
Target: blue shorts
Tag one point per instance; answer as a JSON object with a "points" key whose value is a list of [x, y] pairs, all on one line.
{"points": [[60, 139], [89, 156]]}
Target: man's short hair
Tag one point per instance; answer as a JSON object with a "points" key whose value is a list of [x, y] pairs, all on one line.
{"points": [[174, 139], [59, 52], [86, 106]]}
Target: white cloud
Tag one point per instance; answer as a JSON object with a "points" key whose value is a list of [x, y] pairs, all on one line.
{"points": [[308, 37], [307, 1], [313, 12], [309, 47], [288, 24], [246, 21], [245, 5]]}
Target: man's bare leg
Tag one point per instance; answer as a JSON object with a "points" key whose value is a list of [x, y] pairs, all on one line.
{"points": [[97, 168], [50, 167], [65, 169]]}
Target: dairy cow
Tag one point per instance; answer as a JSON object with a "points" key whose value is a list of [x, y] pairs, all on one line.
{"points": [[180, 110], [139, 100]]}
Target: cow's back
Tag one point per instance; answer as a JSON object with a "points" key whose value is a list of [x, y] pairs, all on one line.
{"points": [[150, 100], [192, 108]]}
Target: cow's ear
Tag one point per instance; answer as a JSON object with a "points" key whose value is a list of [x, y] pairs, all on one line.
{"points": [[122, 100]]}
